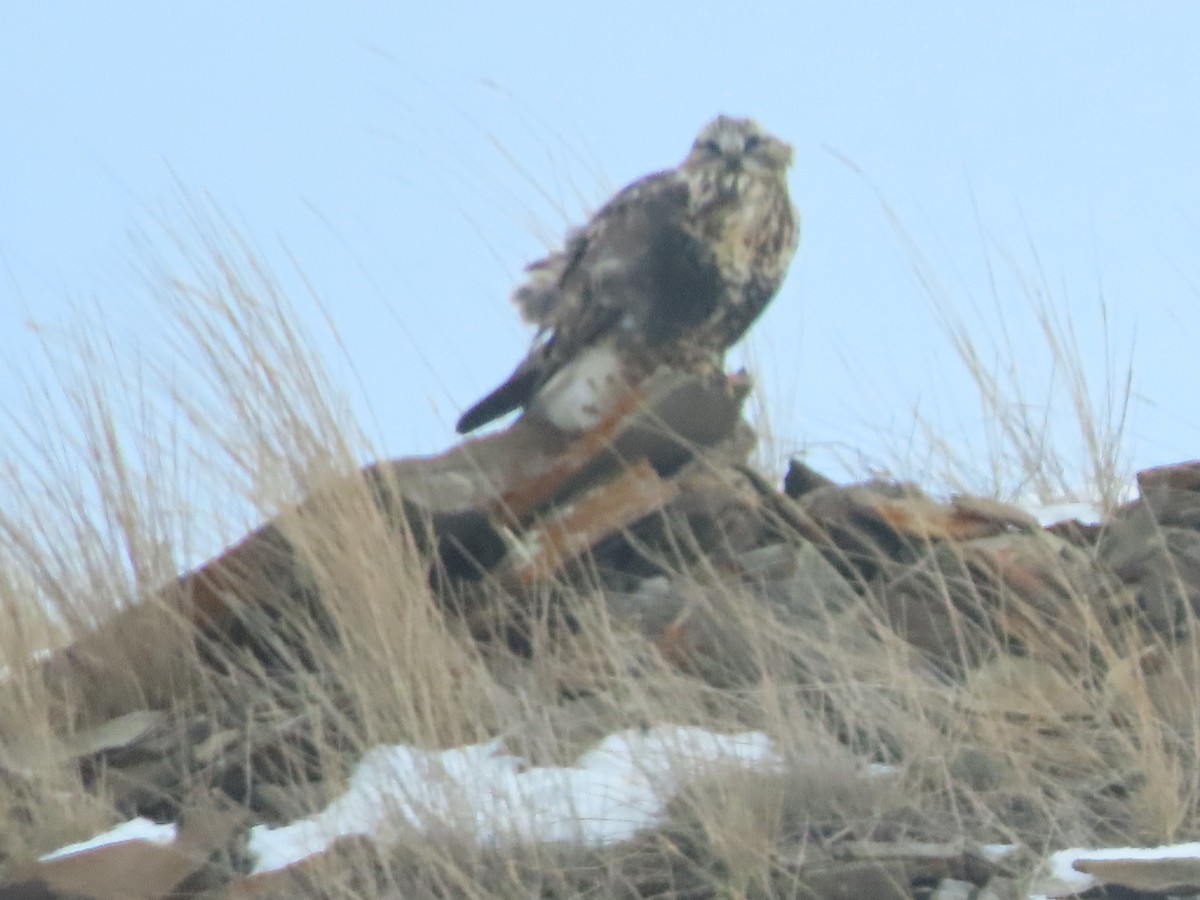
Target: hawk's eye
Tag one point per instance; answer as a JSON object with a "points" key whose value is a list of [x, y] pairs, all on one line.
{"points": [[753, 142]]}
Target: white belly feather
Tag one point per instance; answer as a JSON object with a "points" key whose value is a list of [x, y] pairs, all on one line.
{"points": [[579, 395]]}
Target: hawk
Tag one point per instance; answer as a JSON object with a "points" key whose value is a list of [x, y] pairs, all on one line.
{"points": [[670, 272]]}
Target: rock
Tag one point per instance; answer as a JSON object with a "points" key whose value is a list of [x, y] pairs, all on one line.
{"points": [[656, 527], [1001, 889], [799, 582], [1184, 476], [1160, 563], [132, 869], [848, 520], [1168, 593], [1158, 876], [1046, 585], [952, 889], [981, 769], [1079, 534], [703, 628], [542, 550], [854, 881], [1172, 494], [1166, 675], [964, 602], [1130, 539], [123, 731], [800, 480], [926, 861]]}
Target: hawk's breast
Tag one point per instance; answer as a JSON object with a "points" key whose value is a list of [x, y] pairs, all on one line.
{"points": [[748, 235]]}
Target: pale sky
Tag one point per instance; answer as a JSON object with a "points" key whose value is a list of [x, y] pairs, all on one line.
{"points": [[413, 156]]}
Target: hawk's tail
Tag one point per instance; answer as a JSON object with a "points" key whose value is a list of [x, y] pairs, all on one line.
{"points": [[513, 394]]}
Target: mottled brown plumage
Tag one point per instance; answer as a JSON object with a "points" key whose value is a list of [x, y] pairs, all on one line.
{"points": [[670, 272]]}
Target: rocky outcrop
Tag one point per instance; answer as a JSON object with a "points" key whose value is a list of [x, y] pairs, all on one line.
{"points": [[659, 518]]}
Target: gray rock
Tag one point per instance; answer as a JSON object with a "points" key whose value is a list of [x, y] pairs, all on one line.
{"points": [[950, 889]]}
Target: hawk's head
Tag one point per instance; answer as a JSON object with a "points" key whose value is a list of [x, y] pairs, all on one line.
{"points": [[739, 144]]}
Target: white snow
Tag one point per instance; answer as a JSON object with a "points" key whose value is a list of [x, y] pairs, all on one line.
{"points": [[613, 791], [999, 852], [1052, 513], [616, 789], [1062, 862], [139, 829], [1067, 507]]}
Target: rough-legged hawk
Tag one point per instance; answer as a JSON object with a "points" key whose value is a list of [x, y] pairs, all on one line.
{"points": [[670, 272]]}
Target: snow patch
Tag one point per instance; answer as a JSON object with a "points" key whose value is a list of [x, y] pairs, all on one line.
{"points": [[999, 852], [1062, 862], [1052, 513], [139, 829], [613, 791]]}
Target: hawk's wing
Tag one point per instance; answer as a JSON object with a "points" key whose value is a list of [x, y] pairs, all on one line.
{"points": [[551, 294], [635, 267], [637, 263]]}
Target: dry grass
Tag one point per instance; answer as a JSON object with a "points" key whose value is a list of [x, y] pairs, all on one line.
{"points": [[105, 496], [1066, 443]]}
